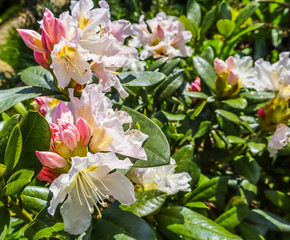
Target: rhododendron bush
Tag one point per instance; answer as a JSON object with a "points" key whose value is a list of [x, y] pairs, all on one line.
{"points": [[166, 122]]}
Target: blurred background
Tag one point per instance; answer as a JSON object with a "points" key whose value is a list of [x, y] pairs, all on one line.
{"points": [[266, 42]]}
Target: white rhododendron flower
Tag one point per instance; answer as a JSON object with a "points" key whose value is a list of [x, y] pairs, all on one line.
{"points": [[167, 37], [162, 178], [88, 183], [280, 139]]}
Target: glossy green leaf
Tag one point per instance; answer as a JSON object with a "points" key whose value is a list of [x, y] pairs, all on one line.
{"points": [[5, 133], [193, 12], [36, 136], [208, 21], [208, 54], [10, 97], [268, 219], [17, 181], [237, 103], [225, 11], [198, 110], [20, 108], [157, 64], [13, 149], [34, 197], [235, 139], [188, 224], [173, 117], [188, 26], [140, 79], [279, 199], [39, 77], [248, 168], [258, 96], [4, 222], [250, 28], [256, 147], [205, 71], [225, 27], [115, 222], [185, 163], [156, 146], [196, 94], [216, 186], [233, 217], [229, 116], [146, 202], [170, 66], [169, 86], [46, 226], [197, 205], [245, 13]]}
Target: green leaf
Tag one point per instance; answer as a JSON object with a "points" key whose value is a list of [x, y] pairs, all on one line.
{"points": [[205, 71], [229, 116], [156, 146], [235, 139], [197, 205], [198, 110], [4, 223], [195, 94], [208, 21], [279, 199], [183, 158], [248, 168], [173, 117], [13, 149], [233, 217], [188, 26], [225, 27], [225, 11], [10, 97], [193, 12], [39, 77], [268, 219], [169, 86], [170, 66], [140, 79], [237, 103], [20, 108], [46, 226], [190, 225], [216, 186], [146, 202], [36, 136], [115, 222], [258, 97], [157, 64], [256, 147], [34, 197], [245, 13], [17, 181], [5, 133], [245, 31], [208, 54]]}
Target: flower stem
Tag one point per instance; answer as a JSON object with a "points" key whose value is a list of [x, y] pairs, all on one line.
{"points": [[19, 211]]}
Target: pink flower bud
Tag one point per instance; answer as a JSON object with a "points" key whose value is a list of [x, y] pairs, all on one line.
{"points": [[231, 63], [47, 174], [32, 39], [84, 130], [41, 59], [219, 66], [261, 112], [58, 31], [51, 159], [160, 32], [63, 113], [233, 77], [48, 21], [195, 86], [69, 134], [46, 42]]}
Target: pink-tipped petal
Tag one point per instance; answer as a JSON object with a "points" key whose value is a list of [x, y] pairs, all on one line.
{"points": [[219, 66], [47, 175], [46, 42], [63, 113], [69, 134], [51, 159], [58, 31], [233, 77], [231, 63], [32, 39], [84, 130], [48, 21], [41, 59], [195, 86], [160, 32]]}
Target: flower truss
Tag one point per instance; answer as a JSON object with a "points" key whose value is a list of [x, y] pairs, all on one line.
{"points": [[82, 43], [167, 37]]}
